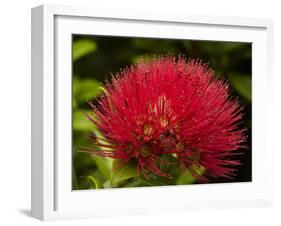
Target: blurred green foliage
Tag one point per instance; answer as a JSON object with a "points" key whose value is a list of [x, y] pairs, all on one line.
{"points": [[95, 58]]}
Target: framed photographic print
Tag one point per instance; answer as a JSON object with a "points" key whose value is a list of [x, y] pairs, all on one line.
{"points": [[134, 112]]}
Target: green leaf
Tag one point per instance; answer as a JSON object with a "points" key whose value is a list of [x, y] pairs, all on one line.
{"points": [[85, 89], [95, 182], [81, 123], [152, 181], [187, 178], [124, 172], [107, 184], [242, 84], [82, 48], [135, 183], [103, 165]]}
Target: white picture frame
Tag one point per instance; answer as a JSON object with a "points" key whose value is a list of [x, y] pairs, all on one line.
{"points": [[52, 195]]}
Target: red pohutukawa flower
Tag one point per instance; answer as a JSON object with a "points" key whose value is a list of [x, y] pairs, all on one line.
{"points": [[168, 107]]}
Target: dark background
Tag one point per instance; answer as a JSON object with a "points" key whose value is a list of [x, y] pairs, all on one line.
{"points": [[95, 58]]}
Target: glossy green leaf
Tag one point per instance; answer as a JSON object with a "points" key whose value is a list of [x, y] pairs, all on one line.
{"points": [[187, 178], [82, 48], [242, 84], [122, 173], [95, 182], [103, 165], [152, 181], [85, 89], [80, 121], [135, 183]]}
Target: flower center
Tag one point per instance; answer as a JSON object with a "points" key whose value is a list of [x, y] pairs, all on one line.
{"points": [[148, 129], [145, 151], [163, 121]]}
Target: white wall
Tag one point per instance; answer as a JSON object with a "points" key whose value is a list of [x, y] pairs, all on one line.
{"points": [[15, 112]]}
